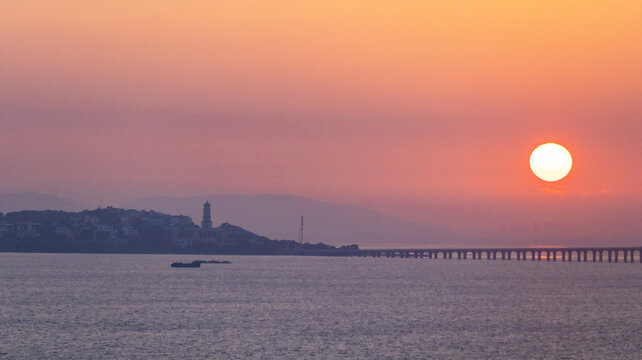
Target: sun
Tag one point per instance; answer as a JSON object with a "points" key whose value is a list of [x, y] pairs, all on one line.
{"points": [[551, 162]]}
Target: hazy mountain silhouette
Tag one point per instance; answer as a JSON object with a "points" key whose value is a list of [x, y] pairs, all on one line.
{"points": [[278, 217], [36, 201]]}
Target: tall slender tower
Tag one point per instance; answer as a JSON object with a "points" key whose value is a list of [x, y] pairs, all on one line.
{"points": [[301, 232], [206, 224]]}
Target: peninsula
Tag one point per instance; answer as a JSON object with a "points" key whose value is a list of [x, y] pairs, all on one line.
{"points": [[113, 230]]}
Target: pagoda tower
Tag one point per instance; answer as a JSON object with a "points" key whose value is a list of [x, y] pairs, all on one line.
{"points": [[206, 224]]}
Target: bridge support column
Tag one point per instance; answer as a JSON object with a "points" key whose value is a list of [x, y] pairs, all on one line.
{"points": [[563, 255], [594, 255], [616, 255], [610, 255], [554, 255], [510, 253], [503, 255], [548, 255], [539, 255], [585, 255]]}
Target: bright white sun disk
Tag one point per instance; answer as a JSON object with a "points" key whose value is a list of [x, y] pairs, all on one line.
{"points": [[551, 162]]}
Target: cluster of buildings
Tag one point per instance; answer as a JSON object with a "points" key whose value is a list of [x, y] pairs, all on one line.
{"points": [[110, 223], [113, 229]]}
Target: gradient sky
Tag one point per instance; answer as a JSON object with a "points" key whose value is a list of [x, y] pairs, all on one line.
{"points": [[395, 105]]}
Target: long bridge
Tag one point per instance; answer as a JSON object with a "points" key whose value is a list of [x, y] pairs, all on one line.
{"points": [[581, 254]]}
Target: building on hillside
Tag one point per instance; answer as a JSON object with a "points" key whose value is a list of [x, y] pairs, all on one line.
{"points": [[206, 224]]}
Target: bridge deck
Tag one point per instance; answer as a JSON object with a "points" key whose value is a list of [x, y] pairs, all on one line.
{"points": [[597, 254]]}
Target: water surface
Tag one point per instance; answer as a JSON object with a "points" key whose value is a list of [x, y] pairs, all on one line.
{"points": [[72, 306]]}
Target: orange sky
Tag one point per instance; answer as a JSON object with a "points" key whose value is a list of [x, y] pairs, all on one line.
{"points": [[374, 102]]}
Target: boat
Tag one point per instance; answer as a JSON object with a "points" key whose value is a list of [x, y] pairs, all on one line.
{"points": [[193, 264], [197, 263]]}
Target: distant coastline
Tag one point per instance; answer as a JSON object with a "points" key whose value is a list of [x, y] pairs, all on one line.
{"points": [[114, 230]]}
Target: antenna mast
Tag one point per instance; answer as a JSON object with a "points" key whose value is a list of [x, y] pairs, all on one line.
{"points": [[301, 231]]}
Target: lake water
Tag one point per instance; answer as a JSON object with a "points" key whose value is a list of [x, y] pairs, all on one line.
{"points": [[67, 306]]}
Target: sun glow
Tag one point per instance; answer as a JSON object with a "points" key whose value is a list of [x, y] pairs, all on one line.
{"points": [[551, 162]]}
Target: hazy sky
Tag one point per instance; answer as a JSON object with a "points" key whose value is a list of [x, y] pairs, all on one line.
{"points": [[373, 102]]}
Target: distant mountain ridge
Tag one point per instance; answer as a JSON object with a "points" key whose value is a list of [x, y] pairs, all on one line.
{"points": [[36, 201], [270, 215], [278, 217]]}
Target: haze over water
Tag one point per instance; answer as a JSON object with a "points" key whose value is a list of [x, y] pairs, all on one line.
{"points": [[71, 306], [423, 110]]}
